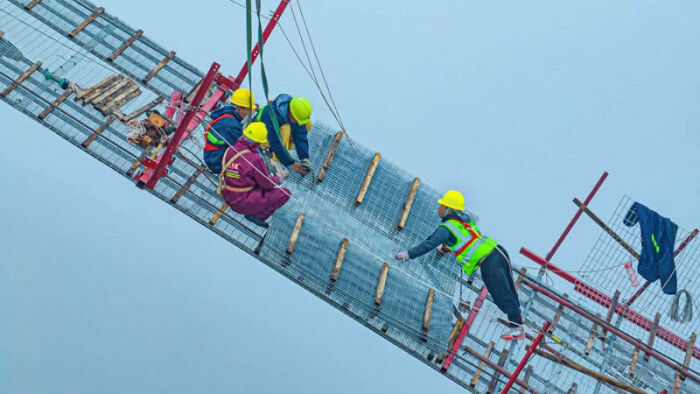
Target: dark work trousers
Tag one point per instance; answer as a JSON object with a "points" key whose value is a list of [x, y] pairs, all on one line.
{"points": [[497, 275]]}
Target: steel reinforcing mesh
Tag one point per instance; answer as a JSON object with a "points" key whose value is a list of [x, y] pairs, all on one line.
{"points": [[605, 266]]}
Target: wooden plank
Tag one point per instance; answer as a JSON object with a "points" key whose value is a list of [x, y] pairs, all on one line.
{"points": [[477, 374], [92, 137], [86, 22], [521, 278], [686, 362], [295, 234], [99, 90], [368, 178], [382, 282], [85, 92], [339, 259], [677, 383], [185, 186], [633, 363], [408, 204], [591, 337], [125, 45], [652, 334], [142, 110], [589, 372], [218, 214], [526, 378], [2, 34], [159, 66], [119, 101], [98, 98], [133, 168], [21, 79], [31, 4], [608, 316], [496, 374], [557, 316], [573, 388], [428, 314], [66, 93], [329, 158], [606, 228]]}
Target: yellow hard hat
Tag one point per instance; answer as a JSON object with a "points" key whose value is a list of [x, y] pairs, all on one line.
{"points": [[256, 132], [301, 110], [243, 98], [452, 199]]}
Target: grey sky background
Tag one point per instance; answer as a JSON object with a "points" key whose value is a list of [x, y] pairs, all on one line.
{"points": [[521, 105]]}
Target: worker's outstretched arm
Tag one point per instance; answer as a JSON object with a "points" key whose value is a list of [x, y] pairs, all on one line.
{"points": [[440, 236]]}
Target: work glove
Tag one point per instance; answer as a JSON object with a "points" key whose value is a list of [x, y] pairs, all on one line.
{"points": [[300, 168], [403, 256]]}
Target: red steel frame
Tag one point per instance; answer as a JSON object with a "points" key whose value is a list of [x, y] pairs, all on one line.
{"points": [[526, 357], [465, 329], [156, 169]]}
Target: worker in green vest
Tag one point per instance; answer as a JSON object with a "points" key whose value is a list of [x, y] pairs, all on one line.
{"points": [[459, 235]]}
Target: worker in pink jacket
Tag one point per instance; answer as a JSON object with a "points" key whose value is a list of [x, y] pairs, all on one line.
{"points": [[247, 185]]}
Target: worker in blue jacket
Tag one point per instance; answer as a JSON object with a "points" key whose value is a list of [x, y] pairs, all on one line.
{"points": [[226, 127], [293, 116]]}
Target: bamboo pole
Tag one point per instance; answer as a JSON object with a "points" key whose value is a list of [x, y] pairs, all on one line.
{"points": [[608, 316], [368, 178], [408, 204], [60, 99], [295, 234], [86, 22], [382, 282], [607, 229], [428, 314], [591, 337], [591, 373], [218, 214], [142, 110], [329, 158], [21, 79], [125, 45], [477, 374], [339, 259], [557, 316], [159, 67], [652, 334], [101, 128]]}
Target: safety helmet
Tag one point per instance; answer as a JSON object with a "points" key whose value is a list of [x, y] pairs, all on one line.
{"points": [[243, 98], [256, 132], [301, 110], [452, 199]]}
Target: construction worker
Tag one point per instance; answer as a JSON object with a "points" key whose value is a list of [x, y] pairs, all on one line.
{"points": [[459, 235], [293, 116], [247, 185], [225, 127]]}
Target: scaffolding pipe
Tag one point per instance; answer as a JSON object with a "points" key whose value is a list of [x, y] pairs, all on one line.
{"points": [[612, 329], [526, 357], [604, 300], [465, 329], [498, 368]]}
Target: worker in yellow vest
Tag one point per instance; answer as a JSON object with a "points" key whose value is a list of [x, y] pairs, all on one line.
{"points": [[459, 235]]}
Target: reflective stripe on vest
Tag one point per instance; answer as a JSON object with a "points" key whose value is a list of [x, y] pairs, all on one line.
{"points": [[471, 246], [211, 142], [229, 172]]}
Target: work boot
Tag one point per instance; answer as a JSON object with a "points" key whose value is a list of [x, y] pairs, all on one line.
{"points": [[514, 333], [257, 221]]}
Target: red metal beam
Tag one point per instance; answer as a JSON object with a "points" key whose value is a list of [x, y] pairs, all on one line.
{"points": [[498, 368], [678, 367], [150, 179], [682, 246], [604, 300], [256, 50], [526, 357], [465, 329], [576, 216]]}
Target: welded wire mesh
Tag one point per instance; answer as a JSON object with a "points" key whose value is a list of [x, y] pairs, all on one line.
{"points": [[331, 213], [609, 255]]}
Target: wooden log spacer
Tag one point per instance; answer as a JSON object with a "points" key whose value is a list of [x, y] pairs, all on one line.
{"points": [[408, 204], [295, 234], [31, 4], [477, 373], [101, 128], [125, 45], [591, 337], [368, 178], [60, 99], [381, 283], [428, 314], [339, 259], [329, 158], [652, 334], [21, 79], [86, 22], [159, 67]]}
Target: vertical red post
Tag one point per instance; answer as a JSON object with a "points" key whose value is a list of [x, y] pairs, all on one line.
{"points": [[463, 332], [165, 159], [526, 357]]}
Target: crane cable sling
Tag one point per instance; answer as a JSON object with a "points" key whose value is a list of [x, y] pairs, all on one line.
{"points": [[686, 314]]}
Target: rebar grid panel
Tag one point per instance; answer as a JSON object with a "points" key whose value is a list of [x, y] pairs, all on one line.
{"points": [[604, 268], [332, 216]]}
